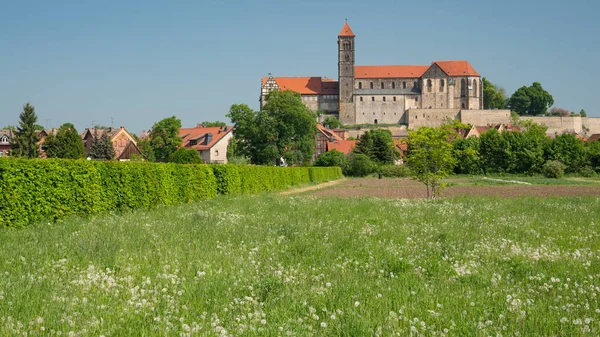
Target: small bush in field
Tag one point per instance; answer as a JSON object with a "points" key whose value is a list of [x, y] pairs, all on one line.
{"points": [[554, 169], [395, 171], [359, 165], [587, 171]]}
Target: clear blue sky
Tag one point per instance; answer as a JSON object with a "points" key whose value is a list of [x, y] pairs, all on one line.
{"points": [[86, 61]]}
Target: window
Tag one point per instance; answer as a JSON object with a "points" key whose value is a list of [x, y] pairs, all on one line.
{"points": [[417, 99], [404, 85], [393, 85], [373, 99], [463, 88], [441, 85], [394, 98], [474, 88], [429, 85], [415, 84], [384, 98], [4, 139], [216, 153], [361, 98], [463, 105], [347, 57], [359, 85], [371, 85], [382, 85], [375, 122]]}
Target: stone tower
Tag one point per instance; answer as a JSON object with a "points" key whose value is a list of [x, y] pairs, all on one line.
{"points": [[346, 73]]}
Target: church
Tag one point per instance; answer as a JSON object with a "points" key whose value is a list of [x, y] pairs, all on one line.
{"points": [[385, 94]]}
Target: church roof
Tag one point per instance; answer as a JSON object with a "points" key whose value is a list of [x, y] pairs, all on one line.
{"points": [[400, 71], [306, 85], [347, 31], [457, 68]]}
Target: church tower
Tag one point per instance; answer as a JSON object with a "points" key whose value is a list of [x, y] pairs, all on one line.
{"points": [[346, 64]]}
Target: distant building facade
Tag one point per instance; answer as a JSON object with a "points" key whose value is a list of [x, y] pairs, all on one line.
{"points": [[383, 94], [210, 142]]}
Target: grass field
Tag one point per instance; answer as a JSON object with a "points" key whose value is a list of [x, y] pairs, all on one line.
{"points": [[275, 265]]}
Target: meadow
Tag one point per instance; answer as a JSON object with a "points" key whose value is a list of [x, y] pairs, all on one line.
{"points": [[300, 265]]}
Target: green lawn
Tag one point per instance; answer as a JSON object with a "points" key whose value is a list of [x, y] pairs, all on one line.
{"points": [[274, 265]]}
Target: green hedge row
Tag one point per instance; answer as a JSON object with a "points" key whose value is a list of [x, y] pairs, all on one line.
{"points": [[46, 189]]}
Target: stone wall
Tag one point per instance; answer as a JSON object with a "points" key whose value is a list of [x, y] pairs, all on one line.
{"points": [[484, 117], [430, 117], [557, 124], [347, 114], [381, 108], [592, 124]]}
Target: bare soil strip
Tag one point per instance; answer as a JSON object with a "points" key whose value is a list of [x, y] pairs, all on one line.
{"points": [[409, 189], [312, 188]]}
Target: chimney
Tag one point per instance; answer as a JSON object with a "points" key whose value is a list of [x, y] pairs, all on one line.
{"points": [[198, 125]]}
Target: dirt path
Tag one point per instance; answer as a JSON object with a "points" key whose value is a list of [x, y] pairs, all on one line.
{"points": [[312, 188]]}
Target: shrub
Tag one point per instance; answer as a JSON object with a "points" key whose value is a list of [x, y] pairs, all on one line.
{"points": [[185, 156], [395, 171], [360, 165], [332, 158], [587, 171], [554, 169]]}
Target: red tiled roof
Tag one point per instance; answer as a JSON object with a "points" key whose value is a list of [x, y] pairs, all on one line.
{"points": [[457, 68], [327, 132], [199, 134], [347, 31], [306, 85], [344, 146], [399, 71], [594, 138], [482, 129]]}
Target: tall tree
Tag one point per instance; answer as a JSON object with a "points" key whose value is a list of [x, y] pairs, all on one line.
{"points": [[494, 97], [284, 128], [25, 140], [582, 113], [520, 102], [378, 145], [207, 124], [102, 147], [164, 137], [430, 157], [533, 100], [65, 144]]}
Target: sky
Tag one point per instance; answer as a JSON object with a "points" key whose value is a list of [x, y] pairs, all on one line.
{"points": [[133, 63]]}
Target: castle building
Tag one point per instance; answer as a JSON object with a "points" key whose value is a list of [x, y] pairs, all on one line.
{"points": [[385, 94]]}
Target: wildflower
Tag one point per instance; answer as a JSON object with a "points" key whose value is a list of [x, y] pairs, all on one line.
{"points": [[356, 304], [323, 325], [263, 321]]}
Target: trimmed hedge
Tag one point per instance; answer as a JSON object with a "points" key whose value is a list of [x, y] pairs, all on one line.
{"points": [[47, 189]]}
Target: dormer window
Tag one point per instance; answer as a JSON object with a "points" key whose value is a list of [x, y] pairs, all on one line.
{"points": [[4, 139]]}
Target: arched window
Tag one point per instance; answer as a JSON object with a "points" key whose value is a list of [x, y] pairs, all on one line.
{"points": [[347, 57], [382, 85], [371, 85], [359, 85], [375, 122], [361, 98], [393, 85], [441, 85], [373, 99], [404, 85], [474, 88], [463, 88], [463, 105], [384, 98], [347, 45], [429, 85], [394, 98]]}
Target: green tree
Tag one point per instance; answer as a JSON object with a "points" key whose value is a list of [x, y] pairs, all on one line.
{"points": [[466, 152], [568, 149], [378, 145], [164, 138], [284, 128], [494, 97], [66, 144], [213, 124], [592, 150], [430, 157], [494, 152], [185, 156], [332, 158], [332, 122], [25, 141], [582, 113], [359, 165], [101, 147], [520, 102], [533, 100]]}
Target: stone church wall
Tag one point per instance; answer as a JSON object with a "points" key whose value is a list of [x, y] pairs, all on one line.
{"points": [[485, 117], [558, 124], [430, 117]]}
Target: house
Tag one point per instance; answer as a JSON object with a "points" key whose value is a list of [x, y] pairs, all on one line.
{"points": [[124, 143], [6, 137], [210, 142]]}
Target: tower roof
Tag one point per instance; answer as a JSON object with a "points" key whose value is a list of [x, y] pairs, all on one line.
{"points": [[347, 31]]}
